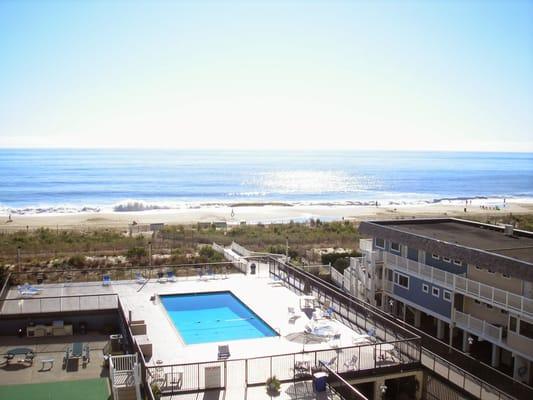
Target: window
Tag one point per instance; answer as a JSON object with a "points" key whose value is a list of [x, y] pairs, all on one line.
{"points": [[425, 288], [435, 256], [435, 291], [395, 246], [401, 280], [447, 295], [380, 243], [526, 329], [513, 322], [457, 262], [446, 259]]}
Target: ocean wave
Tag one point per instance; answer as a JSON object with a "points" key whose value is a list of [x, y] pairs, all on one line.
{"points": [[132, 205]]}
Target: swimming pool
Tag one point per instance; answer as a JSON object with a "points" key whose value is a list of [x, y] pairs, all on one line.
{"points": [[213, 317]]}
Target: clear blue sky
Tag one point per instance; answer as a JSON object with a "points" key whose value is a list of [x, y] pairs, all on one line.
{"points": [[455, 75]]}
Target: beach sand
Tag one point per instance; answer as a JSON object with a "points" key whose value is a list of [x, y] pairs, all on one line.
{"points": [[255, 214]]}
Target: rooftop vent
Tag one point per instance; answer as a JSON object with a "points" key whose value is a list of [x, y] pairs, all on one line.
{"points": [[508, 230]]}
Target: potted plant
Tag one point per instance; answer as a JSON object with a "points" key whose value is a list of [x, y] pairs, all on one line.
{"points": [[156, 391], [273, 385]]}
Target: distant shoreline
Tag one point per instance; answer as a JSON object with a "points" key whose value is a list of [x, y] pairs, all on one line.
{"points": [[253, 213]]}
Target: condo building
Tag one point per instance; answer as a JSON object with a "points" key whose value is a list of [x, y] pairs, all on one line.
{"points": [[469, 284]]}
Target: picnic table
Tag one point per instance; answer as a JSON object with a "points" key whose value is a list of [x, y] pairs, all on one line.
{"points": [[18, 351]]}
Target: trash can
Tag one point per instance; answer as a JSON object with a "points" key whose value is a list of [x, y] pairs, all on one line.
{"points": [[252, 269], [319, 381]]}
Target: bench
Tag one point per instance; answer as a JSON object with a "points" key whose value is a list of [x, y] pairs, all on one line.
{"points": [[45, 361]]}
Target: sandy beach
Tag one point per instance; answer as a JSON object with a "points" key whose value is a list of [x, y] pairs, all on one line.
{"points": [[255, 214]]}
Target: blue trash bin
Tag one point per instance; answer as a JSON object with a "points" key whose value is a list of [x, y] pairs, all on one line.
{"points": [[319, 381]]}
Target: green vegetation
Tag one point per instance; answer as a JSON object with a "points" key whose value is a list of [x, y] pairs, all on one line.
{"points": [[522, 221], [88, 389], [339, 261]]}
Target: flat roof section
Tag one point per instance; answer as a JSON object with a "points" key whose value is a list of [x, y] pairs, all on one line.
{"points": [[469, 234]]}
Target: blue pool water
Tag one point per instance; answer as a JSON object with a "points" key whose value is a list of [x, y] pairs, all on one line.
{"points": [[214, 317]]}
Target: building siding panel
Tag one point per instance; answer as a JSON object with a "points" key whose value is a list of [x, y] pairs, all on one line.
{"points": [[415, 295]]}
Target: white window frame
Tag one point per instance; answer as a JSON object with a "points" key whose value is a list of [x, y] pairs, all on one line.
{"points": [[446, 259], [433, 289], [399, 249], [435, 256], [380, 247], [457, 262], [397, 280], [425, 288], [447, 292]]}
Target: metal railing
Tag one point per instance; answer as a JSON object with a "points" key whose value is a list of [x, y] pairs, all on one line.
{"points": [[462, 378], [501, 298], [87, 302], [180, 271], [201, 376], [480, 327]]}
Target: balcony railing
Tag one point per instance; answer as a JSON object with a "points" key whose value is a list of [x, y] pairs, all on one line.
{"points": [[85, 302], [494, 296], [478, 326], [366, 244]]}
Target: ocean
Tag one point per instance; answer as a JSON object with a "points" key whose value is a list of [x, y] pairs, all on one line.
{"points": [[61, 181]]}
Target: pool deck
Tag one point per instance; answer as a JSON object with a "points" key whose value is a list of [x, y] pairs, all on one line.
{"points": [[270, 301]]}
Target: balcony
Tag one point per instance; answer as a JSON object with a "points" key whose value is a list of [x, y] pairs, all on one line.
{"points": [[460, 284], [481, 328]]}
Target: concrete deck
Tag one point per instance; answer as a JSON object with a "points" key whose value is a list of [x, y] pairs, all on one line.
{"points": [[52, 348]]}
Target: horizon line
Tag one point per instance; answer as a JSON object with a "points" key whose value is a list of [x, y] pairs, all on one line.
{"points": [[268, 149]]}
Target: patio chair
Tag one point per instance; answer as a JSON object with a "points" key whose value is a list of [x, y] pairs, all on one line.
{"points": [[139, 278], [174, 380], [335, 340], [331, 363], [293, 314], [170, 276], [161, 278], [223, 352], [351, 364], [106, 280], [65, 359], [28, 358], [86, 358]]}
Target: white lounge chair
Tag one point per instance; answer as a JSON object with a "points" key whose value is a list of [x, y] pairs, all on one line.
{"points": [[293, 314], [139, 278], [27, 292]]}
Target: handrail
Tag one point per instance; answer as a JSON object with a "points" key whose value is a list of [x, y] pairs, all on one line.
{"points": [[360, 396]]}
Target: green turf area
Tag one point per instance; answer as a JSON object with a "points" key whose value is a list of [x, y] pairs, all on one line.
{"points": [[88, 389]]}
